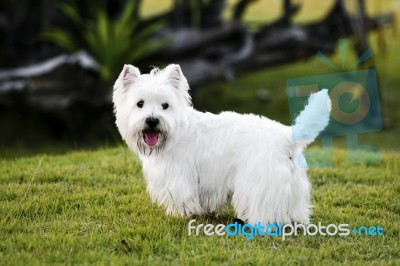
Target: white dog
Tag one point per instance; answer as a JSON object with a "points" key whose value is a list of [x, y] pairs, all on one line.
{"points": [[195, 163]]}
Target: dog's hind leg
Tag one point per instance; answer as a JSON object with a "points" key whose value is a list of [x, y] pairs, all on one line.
{"points": [[270, 197], [300, 210]]}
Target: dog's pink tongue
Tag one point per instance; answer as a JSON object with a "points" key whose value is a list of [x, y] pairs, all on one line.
{"points": [[151, 138]]}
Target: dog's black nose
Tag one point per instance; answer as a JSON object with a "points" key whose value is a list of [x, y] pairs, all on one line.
{"points": [[152, 122]]}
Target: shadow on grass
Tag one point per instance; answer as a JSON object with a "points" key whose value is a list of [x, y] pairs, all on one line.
{"points": [[54, 148]]}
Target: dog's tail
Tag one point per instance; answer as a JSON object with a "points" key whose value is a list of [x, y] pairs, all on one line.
{"points": [[313, 119]]}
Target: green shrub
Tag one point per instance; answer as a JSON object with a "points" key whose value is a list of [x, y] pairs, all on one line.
{"points": [[112, 42]]}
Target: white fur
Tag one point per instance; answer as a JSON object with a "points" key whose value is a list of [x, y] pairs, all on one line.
{"points": [[205, 161]]}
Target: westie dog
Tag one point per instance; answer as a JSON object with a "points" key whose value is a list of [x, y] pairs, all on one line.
{"points": [[195, 163]]}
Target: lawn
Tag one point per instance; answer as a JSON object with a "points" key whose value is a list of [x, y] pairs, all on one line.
{"points": [[77, 207], [59, 205]]}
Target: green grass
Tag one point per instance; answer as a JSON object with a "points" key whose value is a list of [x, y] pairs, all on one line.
{"points": [[75, 208]]}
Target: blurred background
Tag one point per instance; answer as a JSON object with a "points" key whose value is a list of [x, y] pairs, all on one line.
{"points": [[59, 60]]}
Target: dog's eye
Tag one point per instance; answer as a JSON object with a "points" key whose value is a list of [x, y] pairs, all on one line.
{"points": [[140, 103], [165, 106]]}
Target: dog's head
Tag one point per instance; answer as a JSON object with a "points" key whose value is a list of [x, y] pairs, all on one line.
{"points": [[150, 107]]}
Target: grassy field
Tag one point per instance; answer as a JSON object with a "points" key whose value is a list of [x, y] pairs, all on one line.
{"points": [[76, 208], [64, 206]]}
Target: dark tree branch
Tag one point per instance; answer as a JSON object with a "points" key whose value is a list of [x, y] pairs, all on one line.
{"points": [[237, 51], [240, 9]]}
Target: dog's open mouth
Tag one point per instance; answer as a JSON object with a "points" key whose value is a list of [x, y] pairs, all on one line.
{"points": [[150, 137]]}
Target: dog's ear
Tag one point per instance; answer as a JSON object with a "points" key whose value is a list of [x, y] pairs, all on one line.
{"points": [[126, 78], [176, 78]]}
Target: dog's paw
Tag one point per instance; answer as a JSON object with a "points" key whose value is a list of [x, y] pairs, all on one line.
{"points": [[237, 220]]}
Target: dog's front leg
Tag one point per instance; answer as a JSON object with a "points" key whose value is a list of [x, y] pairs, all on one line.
{"points": [[178, 194]]}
